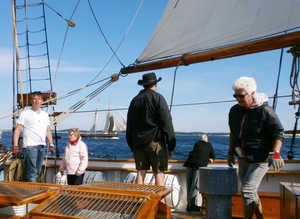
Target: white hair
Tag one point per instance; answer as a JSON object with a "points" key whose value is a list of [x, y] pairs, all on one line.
{"points": [[204, 138], [246, 83]]}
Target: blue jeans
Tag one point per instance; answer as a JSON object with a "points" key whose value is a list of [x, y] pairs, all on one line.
{"points": [[1, 175], [34, 157], [251, 175]]}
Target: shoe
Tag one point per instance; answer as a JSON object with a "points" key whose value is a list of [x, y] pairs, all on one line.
{"points": [[193, 208]]}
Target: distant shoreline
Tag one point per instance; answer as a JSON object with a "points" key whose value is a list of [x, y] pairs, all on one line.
{"points": [[176, 133]]}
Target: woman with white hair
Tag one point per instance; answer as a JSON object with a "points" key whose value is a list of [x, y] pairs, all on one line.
{"points": [[256, 137], [202, 153]]}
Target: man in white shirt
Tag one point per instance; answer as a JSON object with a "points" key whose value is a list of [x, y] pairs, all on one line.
{"points": [[36, 127]]}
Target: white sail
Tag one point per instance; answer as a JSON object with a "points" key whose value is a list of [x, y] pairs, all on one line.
{"points": [[123, 118], [108, 123], [93, 129], [118, 126], [188, 26], [112, 125]]}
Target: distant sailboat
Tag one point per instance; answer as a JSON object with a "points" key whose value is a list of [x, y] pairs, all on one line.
{"points": [[111, 129]]}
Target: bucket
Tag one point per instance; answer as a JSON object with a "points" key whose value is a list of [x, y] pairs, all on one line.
{"points": [[171, 182]]}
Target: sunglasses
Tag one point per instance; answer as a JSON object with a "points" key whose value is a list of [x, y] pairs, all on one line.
{"points": [[239, 95]]}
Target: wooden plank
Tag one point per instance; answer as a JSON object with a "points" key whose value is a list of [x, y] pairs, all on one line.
{"points": [[164, 211], [7, 216], [290, 132], [49, 98]]}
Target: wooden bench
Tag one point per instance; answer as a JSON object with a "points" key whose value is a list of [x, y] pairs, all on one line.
{"points": [[269, 200], [7, 216]]}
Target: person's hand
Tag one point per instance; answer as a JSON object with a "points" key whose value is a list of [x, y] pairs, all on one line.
{"points": [[15, 150], [51, 150], [230, 160], [170, 154], [61, 172], [276, 161]]}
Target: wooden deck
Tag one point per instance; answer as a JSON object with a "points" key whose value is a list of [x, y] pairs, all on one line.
{"points": [[175, 215], [181, 214]]}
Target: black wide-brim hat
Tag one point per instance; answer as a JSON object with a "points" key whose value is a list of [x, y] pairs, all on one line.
{"points": [[149, 78]]}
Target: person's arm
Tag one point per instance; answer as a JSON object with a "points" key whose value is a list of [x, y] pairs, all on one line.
{"points": [[275, 129], [230, 157], [212, 154], [167, 125], [277, 144], [84, 159], [49, 136], [62, 166], [16, 135], [232, 140], [129, 139]]}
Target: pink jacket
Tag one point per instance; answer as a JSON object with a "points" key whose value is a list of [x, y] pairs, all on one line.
{"points": [[75, 158]]}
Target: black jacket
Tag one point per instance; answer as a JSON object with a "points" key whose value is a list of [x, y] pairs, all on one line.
{"points": [[255, 135], [200, 155], [148, 120]]}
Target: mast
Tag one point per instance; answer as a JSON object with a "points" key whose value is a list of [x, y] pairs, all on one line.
{"points": [[95, 118], [267, 44]]}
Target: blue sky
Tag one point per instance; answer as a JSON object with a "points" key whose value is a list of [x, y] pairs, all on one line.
{"points": [[86, 52]]}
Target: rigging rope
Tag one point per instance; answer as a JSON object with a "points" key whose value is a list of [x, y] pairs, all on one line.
{"points": [[64, 41], [290, 154], [82, 102], [175, 72], [277, 84], [295, 51], [113, 51], [174, 105], [52, 99]]}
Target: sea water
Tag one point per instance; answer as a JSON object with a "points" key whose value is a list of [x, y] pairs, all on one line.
{"points": [[118, 148]]}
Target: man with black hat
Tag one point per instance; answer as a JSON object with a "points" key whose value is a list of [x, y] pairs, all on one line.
{"points": [[150, 133]]}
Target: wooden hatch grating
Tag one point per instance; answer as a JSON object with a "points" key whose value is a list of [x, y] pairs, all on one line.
{"points": [[88, 204], [128, 186], [95, 200]]}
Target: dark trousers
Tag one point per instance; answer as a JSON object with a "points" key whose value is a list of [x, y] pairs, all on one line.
{"points": [[192, 176], [75, 180]]}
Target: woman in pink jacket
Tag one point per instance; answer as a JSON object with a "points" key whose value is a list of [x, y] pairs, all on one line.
{"points": [[75, 158]]}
